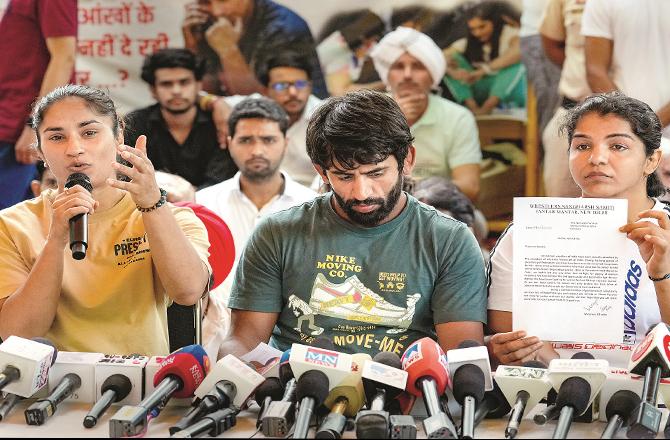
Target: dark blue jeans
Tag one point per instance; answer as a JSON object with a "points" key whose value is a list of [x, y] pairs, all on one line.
{"points": [[14, 177]]}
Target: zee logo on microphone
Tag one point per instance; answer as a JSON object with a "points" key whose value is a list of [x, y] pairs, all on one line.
{"points": [[413, 354], [321, 357]]}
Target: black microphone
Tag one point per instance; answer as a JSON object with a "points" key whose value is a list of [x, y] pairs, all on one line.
{"points": [[220, 397], [114, 389], [573, 398], [79, 223], [494, 405], [40, 411], [468, 386], [311, 391], [216, 423], [374, 422], [278, 418], [267, 392], [619, 411]]}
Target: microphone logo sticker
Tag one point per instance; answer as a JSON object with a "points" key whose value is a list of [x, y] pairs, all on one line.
{"points": [[666, 347], [412, 355], [321, 357], [641, 349]]}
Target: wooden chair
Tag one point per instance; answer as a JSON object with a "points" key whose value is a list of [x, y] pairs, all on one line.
{"points": [[525, 130]]}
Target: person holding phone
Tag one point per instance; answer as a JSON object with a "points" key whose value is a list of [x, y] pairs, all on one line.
{"points": [[143, 253]]}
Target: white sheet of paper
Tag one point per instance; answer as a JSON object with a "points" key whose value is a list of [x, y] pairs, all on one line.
{"points": [[568, 257]]}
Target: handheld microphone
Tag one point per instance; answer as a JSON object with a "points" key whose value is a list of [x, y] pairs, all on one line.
{"points": [[619, 410], [470, 368], [114, 389], [383, 380], [268, 392], [523, 387], [345, 400], [578, 381], [311, 392], [79, 223], [278, 418], [216, 423], [619, 379], [39, 412], [7, 404], [231, 369], [426, 367], [219, 397], [179, 375], [551, 412], [493, 406], [650, 359], [25, 364], [81, 364], [118, 380]]}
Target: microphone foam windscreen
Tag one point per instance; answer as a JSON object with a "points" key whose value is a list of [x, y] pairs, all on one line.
{"points": [[323, 342], [622, 403], [575, 392], [269, 388], [118, 383], [534, 364], [582, 355], [184, 366], [199, 353], [314, 384], [425, 358], [502, 406], [468, 380], [79, 179], [285, 371], [45, 341], [388, 358], [469, 343]]}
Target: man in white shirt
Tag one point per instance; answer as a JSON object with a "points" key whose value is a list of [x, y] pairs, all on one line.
{"points": [[257, 143], [627, 46], [288, 83]]}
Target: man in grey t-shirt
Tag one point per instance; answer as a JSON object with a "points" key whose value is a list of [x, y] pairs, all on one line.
{"points": [[365, 265]]}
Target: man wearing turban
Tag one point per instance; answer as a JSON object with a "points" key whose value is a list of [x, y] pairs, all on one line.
{"points": [[446, 138]]}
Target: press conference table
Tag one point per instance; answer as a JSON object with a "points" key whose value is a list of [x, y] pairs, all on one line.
{"points": [[67, 422]]}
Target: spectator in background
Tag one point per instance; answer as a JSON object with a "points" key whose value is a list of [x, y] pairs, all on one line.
{"points": [[182, 142], [564, 45], [628, 48], [45, 179], [257, 144], [344, 55], [288, 83], [38, 46], [484, 69], [243, 35], [445, 133], [542, 72]]}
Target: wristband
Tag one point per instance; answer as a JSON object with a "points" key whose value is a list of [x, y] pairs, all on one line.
{"points": [[159, 203], [664, 277]]}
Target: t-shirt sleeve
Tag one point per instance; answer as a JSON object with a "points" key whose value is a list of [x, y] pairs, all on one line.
{"points": [[500, 279], [552, 22], [13, 270], [258, 280], [58, 18], [195, 232], [596, 19], [465, 142], [460, 289]]}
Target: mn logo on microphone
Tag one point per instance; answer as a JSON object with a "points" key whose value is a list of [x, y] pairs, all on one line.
{"points": [[321, 357]]}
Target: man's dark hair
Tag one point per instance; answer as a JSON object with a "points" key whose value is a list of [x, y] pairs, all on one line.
{"points": [[642, 119], [171, 58], [286, 59], [258, 108], [360, 128], [443, 194]]}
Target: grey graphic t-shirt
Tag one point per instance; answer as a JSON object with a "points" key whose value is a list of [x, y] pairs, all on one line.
{"points": [[367, 289]]}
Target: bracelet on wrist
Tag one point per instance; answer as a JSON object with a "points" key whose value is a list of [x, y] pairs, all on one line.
{"points": [[161, 201], [663, 278]]}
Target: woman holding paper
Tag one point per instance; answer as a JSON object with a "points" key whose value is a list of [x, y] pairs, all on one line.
{"points": [[613, 152]]}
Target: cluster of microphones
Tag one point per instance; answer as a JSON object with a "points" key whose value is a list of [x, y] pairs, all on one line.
{"points": [[373, 396]]}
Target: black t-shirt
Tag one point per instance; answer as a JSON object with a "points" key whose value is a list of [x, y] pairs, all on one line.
{"points": [[199, 159]]}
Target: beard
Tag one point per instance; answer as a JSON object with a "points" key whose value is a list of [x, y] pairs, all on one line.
{"points": [[260, 174], [374, 218], [180, 109]]}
